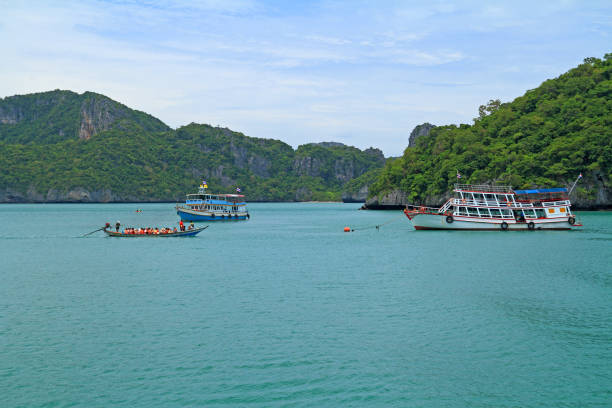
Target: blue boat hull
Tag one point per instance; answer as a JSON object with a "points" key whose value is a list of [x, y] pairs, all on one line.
{"points": [[186, 233], [190, 216]]}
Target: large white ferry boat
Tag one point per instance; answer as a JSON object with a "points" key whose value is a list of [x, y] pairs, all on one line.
{"points": [[484, 207], [205, 206]]}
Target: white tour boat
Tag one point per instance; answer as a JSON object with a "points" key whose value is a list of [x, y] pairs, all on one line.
{"points": [[204, 206], [484, 207]]}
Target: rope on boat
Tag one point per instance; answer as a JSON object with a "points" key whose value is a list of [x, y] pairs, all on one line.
{"points": [[89, 233], [377, 226]]}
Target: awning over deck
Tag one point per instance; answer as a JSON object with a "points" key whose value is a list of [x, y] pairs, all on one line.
{"points": [[542, 190]]}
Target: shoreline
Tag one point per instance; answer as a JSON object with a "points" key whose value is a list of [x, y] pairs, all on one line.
{"points": [[363, 207]]}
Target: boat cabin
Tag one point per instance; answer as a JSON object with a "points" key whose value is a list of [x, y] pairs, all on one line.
{"points": [[227, 203], [501, 202], [547, 202]]}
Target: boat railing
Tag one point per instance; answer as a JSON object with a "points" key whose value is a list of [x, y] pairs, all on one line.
{"points": [[485, 214], [446, 206], [483, 188], [555, 203], [522, 205], [422, 208], [481, 203]]}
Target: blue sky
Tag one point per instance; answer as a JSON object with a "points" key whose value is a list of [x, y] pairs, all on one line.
{"points": [[359, 72]]}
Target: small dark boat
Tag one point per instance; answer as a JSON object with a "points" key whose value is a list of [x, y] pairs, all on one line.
{"points": [[186, 233]]}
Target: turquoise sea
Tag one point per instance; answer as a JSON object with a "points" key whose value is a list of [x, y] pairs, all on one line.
{"points": [[287, 310]]}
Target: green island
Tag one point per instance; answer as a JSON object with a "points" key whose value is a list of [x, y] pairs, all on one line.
{"points": [[547, 137], [62, 146]]}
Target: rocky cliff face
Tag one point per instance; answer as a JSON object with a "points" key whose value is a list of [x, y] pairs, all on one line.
{"points": [[391, 201], [259, 165], [419, 131], [591, 193], [356, 197], [98, 114], [307, 166], [10, 115], [138, 158], [50, 117], [75, 195]]}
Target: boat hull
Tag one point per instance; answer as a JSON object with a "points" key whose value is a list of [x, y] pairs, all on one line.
{"points": [[186, 233], [438, 222], [186, 214]]}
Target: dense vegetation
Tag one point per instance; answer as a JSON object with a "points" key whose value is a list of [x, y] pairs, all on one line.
{"points": [[137, 157], [543, 138], [51, 117]]}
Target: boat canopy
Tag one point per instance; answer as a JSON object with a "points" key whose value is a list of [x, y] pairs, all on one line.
{"points": [[483, 188], [542, 190]]}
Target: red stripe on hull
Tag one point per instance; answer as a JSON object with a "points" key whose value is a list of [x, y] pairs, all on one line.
{"points": [[487, 229]]}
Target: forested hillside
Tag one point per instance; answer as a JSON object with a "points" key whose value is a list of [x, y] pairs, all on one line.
{"points": [[61, 146], [544, 138], [51, 117]]}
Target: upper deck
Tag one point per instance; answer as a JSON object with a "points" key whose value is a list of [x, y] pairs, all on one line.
{"points": [[543, 196], [483, 188], [221, 199]]}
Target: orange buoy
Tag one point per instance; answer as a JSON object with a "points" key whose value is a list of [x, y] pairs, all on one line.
{"points": [[347, 229]]}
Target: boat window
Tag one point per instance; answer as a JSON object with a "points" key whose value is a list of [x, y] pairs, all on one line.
{"points": [[472, 211], [495, 213], [484, 212], [490, 198], [529, 213], [506, 212], [460, 211]]}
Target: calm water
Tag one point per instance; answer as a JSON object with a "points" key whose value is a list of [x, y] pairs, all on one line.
{"points": [[288, 310]]}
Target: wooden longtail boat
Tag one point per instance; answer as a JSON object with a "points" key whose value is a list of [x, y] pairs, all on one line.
{"points": [[186, 233]]}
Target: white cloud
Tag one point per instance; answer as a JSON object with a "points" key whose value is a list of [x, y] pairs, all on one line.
{"points": [[363, 72]]}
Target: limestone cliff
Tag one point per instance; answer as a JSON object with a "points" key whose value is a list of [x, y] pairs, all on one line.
{"points": [[51, 117], [419, 131], [61, 146], [591, 193]]}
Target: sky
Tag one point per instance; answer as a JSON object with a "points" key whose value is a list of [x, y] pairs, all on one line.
{"points": [[363, 73]]}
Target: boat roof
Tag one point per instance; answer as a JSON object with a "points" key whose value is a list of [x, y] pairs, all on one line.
{"points": [[483, 188], [220, 195], [542, 190]]}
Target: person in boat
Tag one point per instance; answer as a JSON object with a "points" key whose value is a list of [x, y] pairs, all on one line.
{"points": [[175, 230], [117, 226], [181, 225], [191, 226]]}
